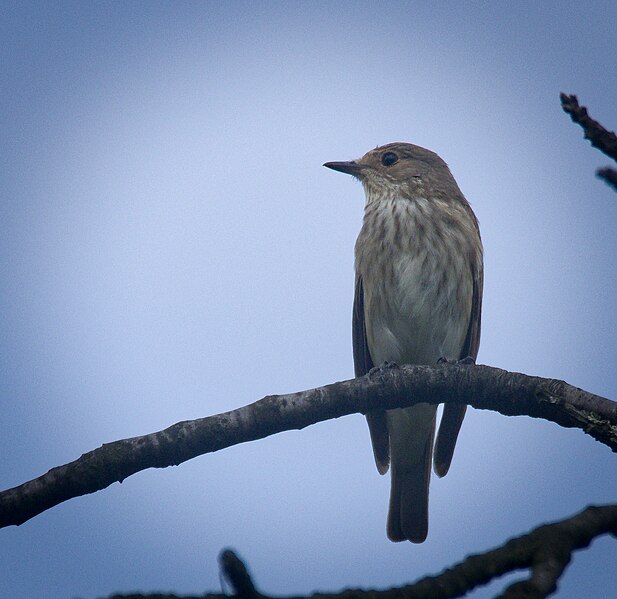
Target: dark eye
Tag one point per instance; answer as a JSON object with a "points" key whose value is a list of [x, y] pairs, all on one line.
{"points": [[389, 158]]}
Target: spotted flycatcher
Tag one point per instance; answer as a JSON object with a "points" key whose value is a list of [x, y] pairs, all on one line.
{"points": [[418, 299]]}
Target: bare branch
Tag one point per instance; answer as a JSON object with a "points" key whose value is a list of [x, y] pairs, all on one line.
{"points": [[237, 575], [482, 387], [604, 140], [545, 551], [609, 175]]}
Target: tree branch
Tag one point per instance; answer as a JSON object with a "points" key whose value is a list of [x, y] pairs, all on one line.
{"points": [[546, 551], [482, 387], [609, 175], [237, 575], [601, 138]]}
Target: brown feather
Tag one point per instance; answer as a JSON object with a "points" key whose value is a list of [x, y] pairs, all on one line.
{"points": [[363, 362], [453, 414], [408, 510]]}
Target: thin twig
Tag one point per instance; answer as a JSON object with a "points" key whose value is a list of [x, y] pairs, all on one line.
{"points": [[609, 175], [237, 575], [601, 138]]}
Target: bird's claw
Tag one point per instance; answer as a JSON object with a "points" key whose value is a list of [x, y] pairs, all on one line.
{"points": [[464, 361], [378, 371]]}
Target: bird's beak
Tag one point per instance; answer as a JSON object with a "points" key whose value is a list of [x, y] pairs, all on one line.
{"points": [[351, 168]]}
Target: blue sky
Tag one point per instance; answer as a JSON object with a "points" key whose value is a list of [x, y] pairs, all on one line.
{"points": [[171, 247]]}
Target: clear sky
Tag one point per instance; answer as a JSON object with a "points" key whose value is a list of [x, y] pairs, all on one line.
{"points": [[171, 247]]}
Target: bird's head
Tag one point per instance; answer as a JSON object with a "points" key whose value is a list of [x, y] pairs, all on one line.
{"points": [[396, 167]]}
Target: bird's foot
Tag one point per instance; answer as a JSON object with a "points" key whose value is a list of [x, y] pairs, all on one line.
{"points": [[464, 361], [378, 371]]}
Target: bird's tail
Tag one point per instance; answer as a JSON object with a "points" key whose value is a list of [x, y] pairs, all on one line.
{"points": [[408, 512]]}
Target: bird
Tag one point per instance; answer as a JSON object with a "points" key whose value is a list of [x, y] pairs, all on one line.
{"points": [[418, 300]]}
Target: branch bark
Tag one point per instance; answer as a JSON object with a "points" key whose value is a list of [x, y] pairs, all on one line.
{"points": [[601, 138], [482, 387]]}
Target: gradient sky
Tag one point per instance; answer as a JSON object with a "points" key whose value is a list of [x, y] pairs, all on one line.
{"points": [[171, 248]]}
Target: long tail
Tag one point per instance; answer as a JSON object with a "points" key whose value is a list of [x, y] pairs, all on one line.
{"points": [[411, 473]]}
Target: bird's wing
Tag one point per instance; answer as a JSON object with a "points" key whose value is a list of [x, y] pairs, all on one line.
{"points": [[453, 414], [363, 362]]}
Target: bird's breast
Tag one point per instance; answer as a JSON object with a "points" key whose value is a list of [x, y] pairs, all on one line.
{"points": [[414, 261]]}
